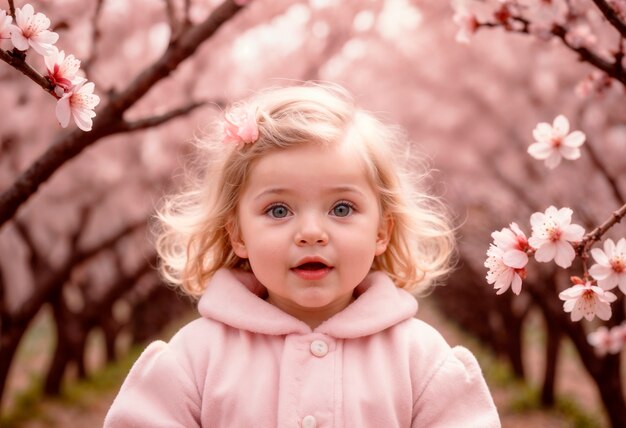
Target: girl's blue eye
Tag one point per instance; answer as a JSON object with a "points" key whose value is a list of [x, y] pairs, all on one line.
{"points": [[342, 209], [278, 211]]}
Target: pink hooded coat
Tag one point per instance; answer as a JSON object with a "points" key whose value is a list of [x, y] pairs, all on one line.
{"points": [[245, 363]]}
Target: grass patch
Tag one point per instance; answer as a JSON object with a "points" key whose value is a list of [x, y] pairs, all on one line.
{"points": [[30, 404], [528, 398]]}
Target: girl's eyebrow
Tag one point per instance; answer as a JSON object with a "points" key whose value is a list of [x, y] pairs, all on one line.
{"points": [[283, 190]]}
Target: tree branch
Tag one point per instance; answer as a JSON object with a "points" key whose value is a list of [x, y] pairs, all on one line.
{"points": [[595, 235], [613, 69], [109, 120], [153, 121], [56, 279], [17, 60], [611, 16], [12, 8]]}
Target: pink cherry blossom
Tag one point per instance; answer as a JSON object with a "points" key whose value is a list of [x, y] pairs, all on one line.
{"points": [[240, 125], [514, 244], [468, 24], [61, 69], [607, 341], [32, 29], [554, 142], [5, 25], [552, 234], [78, 103], [610, 267], [502, 275], [587, 300]]}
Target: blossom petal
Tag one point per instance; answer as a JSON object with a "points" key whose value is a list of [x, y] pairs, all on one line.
{"points": [[575, 139], [542, 132], [540, 150], [564, 255], [553, 160], [600, 256], [603, 310], [63, 111], [560, 125], [546, 252], [19, 41], [516, 286], [564, 215], [536, 220], [515, 258], [573, 233], [600, 272], [609, 247], [570, 153]]}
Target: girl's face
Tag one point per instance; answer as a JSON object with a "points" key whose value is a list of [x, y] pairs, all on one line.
{"points": [[310, 225]]}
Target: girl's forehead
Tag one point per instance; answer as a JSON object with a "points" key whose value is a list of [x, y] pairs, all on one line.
{"points": [[310, 164]]}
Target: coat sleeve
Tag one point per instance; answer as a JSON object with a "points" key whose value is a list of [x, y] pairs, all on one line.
{"points": [[456, 395], [157, 392]]}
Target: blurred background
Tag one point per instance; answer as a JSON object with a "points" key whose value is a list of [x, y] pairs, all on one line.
{"points": [[79, 293]]}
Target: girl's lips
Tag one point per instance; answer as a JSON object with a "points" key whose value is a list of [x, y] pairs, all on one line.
{"points": [[312, 274]]}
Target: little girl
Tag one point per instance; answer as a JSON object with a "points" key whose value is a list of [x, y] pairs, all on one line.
{"points": [[302, 239]]}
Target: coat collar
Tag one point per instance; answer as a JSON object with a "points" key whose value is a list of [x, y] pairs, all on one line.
{"points": [[235, 298]]}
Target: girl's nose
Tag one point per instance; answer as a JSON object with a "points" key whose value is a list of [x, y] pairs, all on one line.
{"points": [[311, 232]]}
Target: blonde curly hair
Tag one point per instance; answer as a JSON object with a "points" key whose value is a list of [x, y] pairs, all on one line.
{"points": [[192, 237]]}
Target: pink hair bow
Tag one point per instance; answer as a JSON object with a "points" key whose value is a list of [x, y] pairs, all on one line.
{"points": [[240, 125]]}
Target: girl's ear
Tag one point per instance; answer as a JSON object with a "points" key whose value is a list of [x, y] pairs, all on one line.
{"points": [[236, 241], [384, 234]]}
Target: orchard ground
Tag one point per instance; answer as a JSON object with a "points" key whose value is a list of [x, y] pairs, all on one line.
{"points": [[84, 404]]}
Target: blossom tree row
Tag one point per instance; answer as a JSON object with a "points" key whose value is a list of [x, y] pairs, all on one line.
{"points": [[595, 32]]}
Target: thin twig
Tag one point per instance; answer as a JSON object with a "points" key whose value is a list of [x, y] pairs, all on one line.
{"points": [[12, 8], [590, 238], [150, 122], [17, 60], [613, 69]]}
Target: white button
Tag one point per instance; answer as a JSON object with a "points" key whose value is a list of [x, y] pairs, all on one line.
{"points": [[309, 421], [319, 348]]}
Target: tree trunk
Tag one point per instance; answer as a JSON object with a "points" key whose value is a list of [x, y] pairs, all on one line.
{"points": [[514, 325], [10, 338], [553, 347]]}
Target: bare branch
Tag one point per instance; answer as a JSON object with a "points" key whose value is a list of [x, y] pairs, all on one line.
{"points": [[595, 235], [150, 122], [613, 69], [12, 8], [17, 60], [611, 16], [38, 261], [56, 279]]}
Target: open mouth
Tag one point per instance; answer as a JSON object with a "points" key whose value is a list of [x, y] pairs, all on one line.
{"points": [[312, 266], [312, 270]]}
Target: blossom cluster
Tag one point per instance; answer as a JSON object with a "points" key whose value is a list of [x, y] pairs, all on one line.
{"points": [[554, 237], [539, 18], [74, 93]]}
